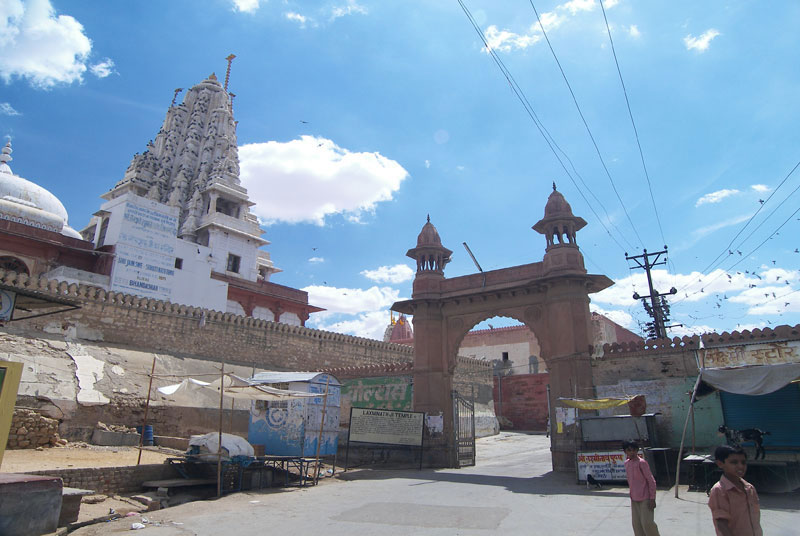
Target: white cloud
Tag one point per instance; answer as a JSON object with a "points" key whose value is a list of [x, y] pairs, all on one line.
{"points": [[316, 260], [716, 197], [700, 44], [296, 17], [699, 233], [574, 6], [246, 6], [103, 69], [427, 164], [348, 9], [760, 188], [307, 179], [361, 312], [7, 109], [371, 325], [506, 41], [40, 46], [351, 300], [633, 31], [622, 318], [399, 273]]}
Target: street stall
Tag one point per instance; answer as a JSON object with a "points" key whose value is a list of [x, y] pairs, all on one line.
{"points": [[233, 455], [598, 450], [760, 398]]}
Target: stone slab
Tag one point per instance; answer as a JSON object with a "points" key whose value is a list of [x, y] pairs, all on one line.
{"points": [[29, 504], [107, 438]]}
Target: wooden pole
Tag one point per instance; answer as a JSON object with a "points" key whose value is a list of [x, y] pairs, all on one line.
{"points": [[230, 424], [146, 407], [321, 428], [219, 447], [683, 437]]}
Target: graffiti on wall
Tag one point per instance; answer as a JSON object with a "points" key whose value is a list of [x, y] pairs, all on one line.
{"points": [[393, 392]]}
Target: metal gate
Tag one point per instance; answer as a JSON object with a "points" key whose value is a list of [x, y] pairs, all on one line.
{"points": [[464, 430]]}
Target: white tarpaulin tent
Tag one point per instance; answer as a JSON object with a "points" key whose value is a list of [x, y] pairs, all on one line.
{"points": [[760, 379], [232, 444], [233, 387]]}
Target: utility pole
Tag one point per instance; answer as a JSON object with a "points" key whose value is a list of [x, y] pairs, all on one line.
{"points": [[658, 308]]}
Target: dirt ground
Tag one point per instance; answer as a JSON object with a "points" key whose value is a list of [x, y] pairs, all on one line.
{"points": [[77, 455]]}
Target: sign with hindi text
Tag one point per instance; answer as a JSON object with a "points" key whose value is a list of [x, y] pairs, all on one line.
{"points": [[601, 465], [772, 353], [386, 426]]}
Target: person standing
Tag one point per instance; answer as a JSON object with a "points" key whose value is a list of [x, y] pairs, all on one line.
{"points": [[642, 486], [733, 500]]}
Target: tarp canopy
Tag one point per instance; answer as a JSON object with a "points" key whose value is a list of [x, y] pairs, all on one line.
{"points": [[753, 380], [595, 403], [233, 387]]}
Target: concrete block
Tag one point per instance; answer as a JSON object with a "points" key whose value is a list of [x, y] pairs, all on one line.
{"points": [[114, 439], [29, 504]]}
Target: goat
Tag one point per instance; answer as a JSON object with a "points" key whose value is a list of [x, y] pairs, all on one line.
{"points": [[735, 437]]}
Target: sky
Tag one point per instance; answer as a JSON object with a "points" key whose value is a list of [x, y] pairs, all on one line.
{"points": [[359, 118]]}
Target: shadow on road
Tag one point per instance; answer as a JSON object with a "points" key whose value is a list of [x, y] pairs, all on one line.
{"points": [[550, 483]]}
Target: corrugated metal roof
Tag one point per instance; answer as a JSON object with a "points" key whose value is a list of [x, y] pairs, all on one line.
{"points": [[288, 377]]}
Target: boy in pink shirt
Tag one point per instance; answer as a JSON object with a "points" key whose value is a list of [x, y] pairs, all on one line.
{"points": [[642, 486], [733, 500]]}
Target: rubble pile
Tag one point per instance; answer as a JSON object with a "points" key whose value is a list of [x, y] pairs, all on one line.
{"points": [[116, 428], [30, 430]]}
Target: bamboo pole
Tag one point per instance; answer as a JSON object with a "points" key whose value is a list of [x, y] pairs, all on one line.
{"points": [[219, 447], [146, 408], [321, 428], [683, 437]]}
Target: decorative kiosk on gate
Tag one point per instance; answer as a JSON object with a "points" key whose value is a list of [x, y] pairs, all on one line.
{"points": [[293, 427], [550, 297]]}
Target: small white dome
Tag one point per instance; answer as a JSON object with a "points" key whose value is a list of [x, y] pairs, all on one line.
{"points": [[28, 203]]}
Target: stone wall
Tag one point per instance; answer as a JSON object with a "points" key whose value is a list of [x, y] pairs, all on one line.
{"points": [[111, 480], [182, 330], [521, 401], [30, 429]]}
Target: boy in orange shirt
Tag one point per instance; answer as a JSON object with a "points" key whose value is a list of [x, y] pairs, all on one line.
{"points": [[733, 500]]}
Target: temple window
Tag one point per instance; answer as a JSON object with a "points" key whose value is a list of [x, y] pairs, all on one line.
{"points": [[233, 263]]}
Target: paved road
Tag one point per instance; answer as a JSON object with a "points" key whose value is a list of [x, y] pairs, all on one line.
{"points": [[510, 491]]}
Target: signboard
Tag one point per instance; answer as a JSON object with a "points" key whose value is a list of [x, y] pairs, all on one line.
{"points": [[386, 426], [604, 465], [773, 353], [145, 252], [393, 393], [7, 299]]}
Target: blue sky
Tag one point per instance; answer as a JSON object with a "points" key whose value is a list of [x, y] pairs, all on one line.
{"points": [[359, 118]]}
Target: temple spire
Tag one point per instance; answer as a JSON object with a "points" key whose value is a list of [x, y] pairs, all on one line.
{"points": [[228, 72], [5, 158], [175, 96]]}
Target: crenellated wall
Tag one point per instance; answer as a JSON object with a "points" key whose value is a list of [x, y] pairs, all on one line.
{"points": [[182, 330]]}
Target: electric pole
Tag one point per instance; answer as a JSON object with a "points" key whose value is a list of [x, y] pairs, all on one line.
{"points": [[658, 308]]}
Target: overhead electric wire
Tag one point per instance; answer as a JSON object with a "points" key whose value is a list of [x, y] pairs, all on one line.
{"points": [[728, 247], [586, 124], [633, 123], [532, 114]]}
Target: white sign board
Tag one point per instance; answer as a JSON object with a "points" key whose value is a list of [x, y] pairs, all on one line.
{"points": [[145, 252], [386, 426], [7, 299], [607, 465]]}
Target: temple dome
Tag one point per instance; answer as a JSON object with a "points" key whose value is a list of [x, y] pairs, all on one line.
{"points": [[557, 206], [25, 202]]}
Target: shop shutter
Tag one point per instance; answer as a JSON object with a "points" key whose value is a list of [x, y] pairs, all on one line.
{"points": [[777, 413]]}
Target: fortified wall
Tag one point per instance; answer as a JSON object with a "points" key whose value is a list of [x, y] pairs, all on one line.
{"points": [[92, 364], [181, 330]]}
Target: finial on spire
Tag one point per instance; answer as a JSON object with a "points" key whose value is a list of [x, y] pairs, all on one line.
{"points": [[429, 218], [554, 186], [228, 72], [5, 158], [175, 96]]}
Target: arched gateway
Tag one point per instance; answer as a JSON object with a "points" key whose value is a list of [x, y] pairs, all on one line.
{"points": [[550, 297]]}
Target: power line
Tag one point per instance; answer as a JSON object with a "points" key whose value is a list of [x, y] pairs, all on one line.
{"points": [[633, 123], [586, 124], [728, 247], [551, 143]]}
